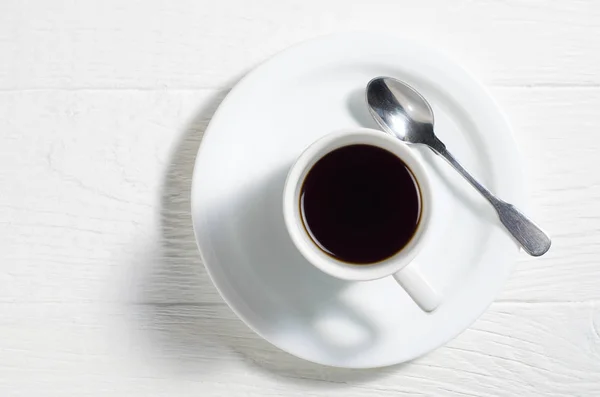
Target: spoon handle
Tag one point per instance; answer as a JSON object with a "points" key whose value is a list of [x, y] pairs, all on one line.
{"points": [[531, 237]]}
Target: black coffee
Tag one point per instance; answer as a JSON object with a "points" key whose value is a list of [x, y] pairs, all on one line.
{"points": [[360, 204]]}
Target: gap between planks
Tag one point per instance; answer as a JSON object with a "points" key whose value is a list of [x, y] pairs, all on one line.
{"points": [[542, 86]]}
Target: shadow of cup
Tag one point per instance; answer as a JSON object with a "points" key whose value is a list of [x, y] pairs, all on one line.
{"points": [[189, 328], [257, 260]]}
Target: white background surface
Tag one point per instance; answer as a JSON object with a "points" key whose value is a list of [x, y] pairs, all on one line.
{"points": [[102, 109]]}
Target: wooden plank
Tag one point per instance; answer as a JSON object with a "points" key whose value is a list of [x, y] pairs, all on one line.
{"points": [[155, 350], [82, 216], [202, 44], [97, 204]]}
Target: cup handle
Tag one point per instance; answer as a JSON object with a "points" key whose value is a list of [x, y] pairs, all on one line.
{"points": [[424, 295]]}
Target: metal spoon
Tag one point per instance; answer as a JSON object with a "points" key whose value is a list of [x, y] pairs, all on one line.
{"points": [[401, 111]]}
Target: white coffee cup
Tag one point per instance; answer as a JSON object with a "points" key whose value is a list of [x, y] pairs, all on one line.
{"points": [[400, 265]]}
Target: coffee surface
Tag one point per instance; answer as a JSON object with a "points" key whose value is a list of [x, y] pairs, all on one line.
{"points": [[360, 204]]}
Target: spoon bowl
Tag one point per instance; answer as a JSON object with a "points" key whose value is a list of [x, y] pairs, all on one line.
{"points": [[400, 110]]}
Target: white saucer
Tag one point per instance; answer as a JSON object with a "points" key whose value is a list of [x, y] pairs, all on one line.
{"points": [[285, 104]]}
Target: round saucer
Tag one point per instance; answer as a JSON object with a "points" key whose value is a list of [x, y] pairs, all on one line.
{"points": [[260, 128]]}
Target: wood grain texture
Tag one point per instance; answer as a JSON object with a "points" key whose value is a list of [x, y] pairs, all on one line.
{"points": [[102, 109], [556, 130], [206, 44], [157, 350]]}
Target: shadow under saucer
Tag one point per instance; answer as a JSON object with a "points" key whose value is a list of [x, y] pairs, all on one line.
{"points": [[188, 326]]}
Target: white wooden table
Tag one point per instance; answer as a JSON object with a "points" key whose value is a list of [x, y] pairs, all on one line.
{"points": [[102, 109]]}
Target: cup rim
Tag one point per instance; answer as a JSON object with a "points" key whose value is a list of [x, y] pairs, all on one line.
{"points": [[293, 218]]}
